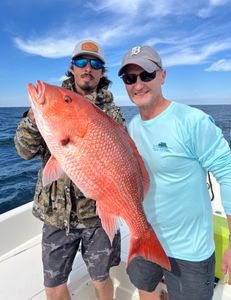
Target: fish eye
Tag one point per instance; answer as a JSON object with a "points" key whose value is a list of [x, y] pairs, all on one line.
{"points": [[65, 142], [67, 99]]}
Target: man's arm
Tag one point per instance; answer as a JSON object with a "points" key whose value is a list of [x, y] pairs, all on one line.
{"points": [[27, 139], [114, 111], [213, 153]]}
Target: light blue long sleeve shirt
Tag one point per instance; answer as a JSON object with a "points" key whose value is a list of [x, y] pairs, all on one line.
{"points": [[179, 147]]}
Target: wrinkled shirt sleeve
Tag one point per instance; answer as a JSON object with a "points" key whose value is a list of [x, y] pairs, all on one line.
{"points": [[28, 139], [115, 112], [213, 152]]}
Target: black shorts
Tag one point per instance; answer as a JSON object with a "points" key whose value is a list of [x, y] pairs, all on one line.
{"points": [[187, 280], [59, 251]]}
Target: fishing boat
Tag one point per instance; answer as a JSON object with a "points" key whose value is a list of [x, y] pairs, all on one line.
{"points": [[21, 276]]}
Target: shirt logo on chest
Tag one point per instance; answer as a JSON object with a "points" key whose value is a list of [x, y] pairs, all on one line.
{"points": [[162, 146]]}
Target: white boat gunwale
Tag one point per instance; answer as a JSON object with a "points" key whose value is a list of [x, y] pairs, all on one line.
{"points": [[21, 273]]}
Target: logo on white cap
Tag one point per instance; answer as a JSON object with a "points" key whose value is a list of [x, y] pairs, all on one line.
{"points": [[89, 46], [135, 50]]}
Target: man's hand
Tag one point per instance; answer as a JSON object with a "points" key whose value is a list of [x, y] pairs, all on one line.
{"points": [[226, 263], [31, 116]]}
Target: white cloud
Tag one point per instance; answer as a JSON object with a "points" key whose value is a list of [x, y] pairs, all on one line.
{"points": [[157, 8], [205, 12], [163, 40], [196, 54], [54, 46], [59, 79], [218, 2], [178, 45], [154, 7], [223, 65], [116, 6], [210, 9], [108, 36], [48, 47]]}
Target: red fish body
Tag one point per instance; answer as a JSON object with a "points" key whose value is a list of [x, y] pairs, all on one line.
{"points": [[101, 159]]}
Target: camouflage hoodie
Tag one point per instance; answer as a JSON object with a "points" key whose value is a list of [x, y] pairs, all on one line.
{"points": [[61, 203]]}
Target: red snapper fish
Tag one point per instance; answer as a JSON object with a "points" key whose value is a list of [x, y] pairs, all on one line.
{"points": [[99, 156]]}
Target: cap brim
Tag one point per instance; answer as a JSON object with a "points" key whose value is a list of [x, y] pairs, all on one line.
{"points": [[145, 64], [89, 53]]}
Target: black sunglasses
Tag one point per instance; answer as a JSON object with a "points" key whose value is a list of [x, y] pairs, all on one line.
{"points": [[82, 62], [144, 76]]}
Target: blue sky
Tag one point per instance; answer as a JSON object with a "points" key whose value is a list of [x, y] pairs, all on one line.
{"points": [[192, 37]]}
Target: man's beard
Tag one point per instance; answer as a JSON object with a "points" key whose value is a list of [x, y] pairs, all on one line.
{"points": [[87, 87]]}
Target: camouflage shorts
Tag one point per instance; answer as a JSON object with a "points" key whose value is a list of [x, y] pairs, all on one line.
{"points": [[59, 250]]}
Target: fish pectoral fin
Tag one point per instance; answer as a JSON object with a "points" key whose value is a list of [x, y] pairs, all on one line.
{"points": [[52, 171], [109, 222]]}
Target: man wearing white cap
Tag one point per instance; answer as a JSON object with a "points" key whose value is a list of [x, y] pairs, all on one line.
{"points": [[69, 217], [179, 145]]}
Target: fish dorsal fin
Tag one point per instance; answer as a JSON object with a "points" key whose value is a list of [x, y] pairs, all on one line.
{"points": [[143, 169], [52, 171], [109, 222]]}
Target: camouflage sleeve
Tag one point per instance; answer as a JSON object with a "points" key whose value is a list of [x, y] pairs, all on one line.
{"points": [[115, 112], [27, 139]]}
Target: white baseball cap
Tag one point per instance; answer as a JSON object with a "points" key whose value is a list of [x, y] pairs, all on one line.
{"points": [[88, 48]]}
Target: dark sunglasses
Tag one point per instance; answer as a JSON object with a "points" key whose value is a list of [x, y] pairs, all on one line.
{"points": [[82, 62], [144, 76]]}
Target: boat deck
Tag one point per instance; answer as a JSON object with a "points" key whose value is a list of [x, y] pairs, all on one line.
{"points": [[21, 275]]}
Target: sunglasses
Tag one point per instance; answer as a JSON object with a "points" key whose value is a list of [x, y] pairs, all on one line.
{"points": [[144, 76], [82, 62]]}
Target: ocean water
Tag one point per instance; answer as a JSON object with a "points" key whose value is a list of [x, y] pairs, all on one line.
{"points": [[18, 176]]}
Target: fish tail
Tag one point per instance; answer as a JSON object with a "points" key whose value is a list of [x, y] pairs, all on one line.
{"points": [[149, 247]]}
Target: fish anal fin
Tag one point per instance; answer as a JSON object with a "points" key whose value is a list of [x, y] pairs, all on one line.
{"points": [[110, 222], [144, 172], [52, 171]]}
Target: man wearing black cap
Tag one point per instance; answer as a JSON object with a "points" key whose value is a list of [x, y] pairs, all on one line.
{"points": [[179, 145], [69, 217]]}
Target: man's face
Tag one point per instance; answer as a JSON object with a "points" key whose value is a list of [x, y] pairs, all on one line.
{"points": [[144, 93], [86, 78]]}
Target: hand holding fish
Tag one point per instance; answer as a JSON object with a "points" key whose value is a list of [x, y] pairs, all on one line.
{"points": [[31, 116], [226, 263]]}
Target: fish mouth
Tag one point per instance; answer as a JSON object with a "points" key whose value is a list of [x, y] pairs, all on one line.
{"points": [[36, 93], [37, 99]]}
